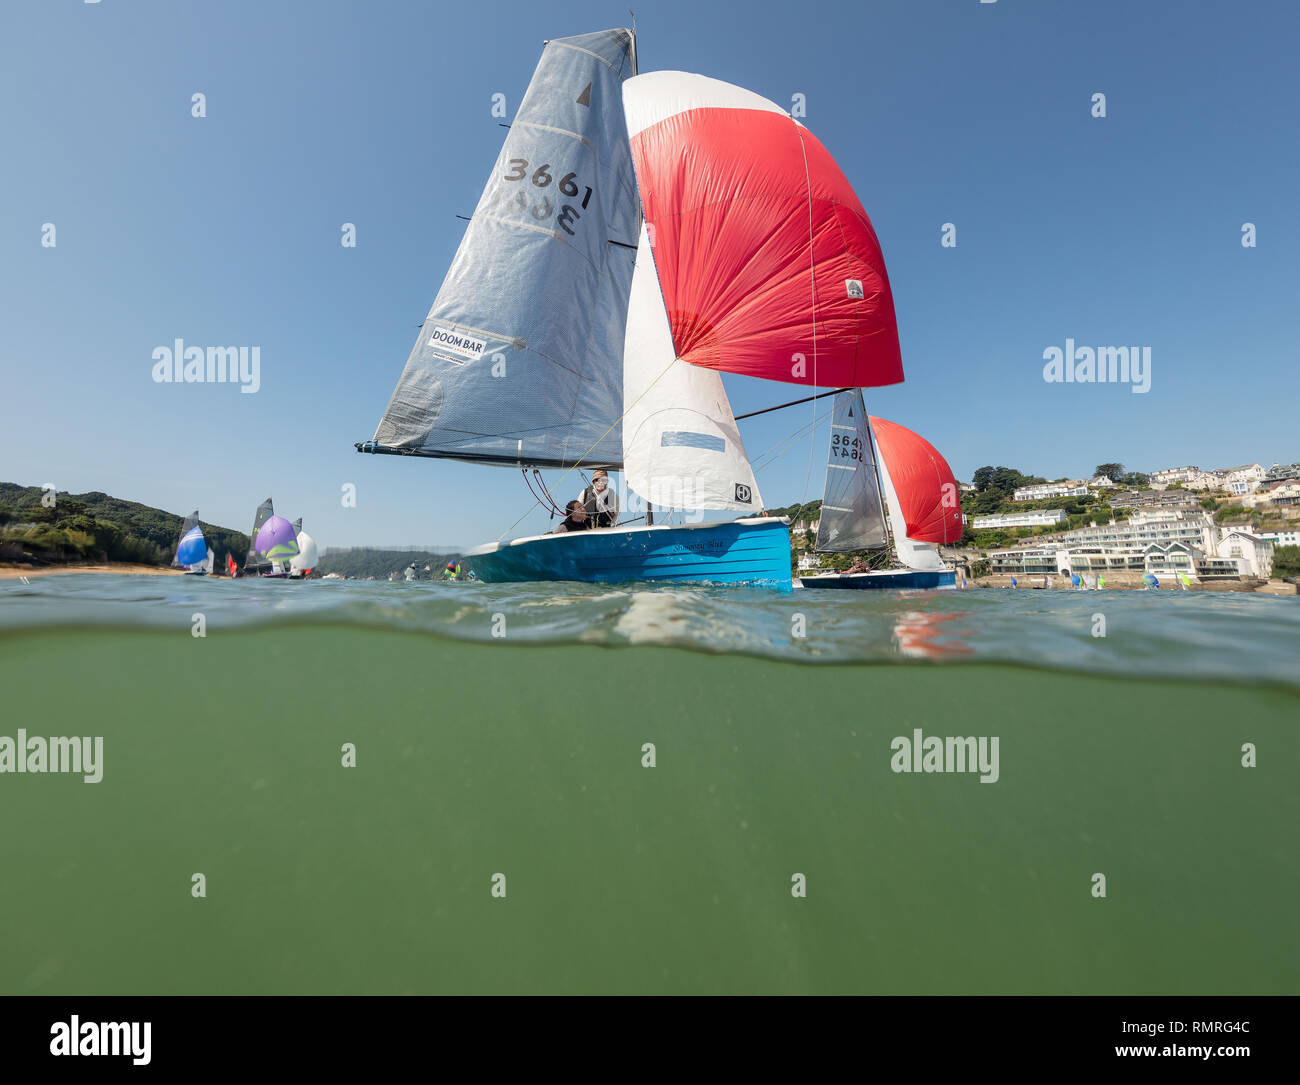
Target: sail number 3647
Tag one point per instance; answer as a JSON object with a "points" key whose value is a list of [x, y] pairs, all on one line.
{"points": [[844, 447], [542, 178]]}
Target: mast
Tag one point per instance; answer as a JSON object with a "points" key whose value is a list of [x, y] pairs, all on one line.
{"points": [[890, 549]]}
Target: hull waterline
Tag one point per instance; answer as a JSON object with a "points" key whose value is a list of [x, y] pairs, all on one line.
{"points": [[752, 552]]}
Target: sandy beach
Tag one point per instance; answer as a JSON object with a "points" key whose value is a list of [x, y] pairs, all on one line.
{"points": [[10, 571]]}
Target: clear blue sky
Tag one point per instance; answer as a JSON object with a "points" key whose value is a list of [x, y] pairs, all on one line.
{"points": [[225, 230]]}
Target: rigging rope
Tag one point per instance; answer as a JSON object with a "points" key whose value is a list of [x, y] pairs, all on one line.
{"points": [[576, 466], [797, 435], [812, 284]]}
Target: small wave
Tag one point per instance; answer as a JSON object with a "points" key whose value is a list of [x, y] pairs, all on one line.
{"points": [[1235, 637]]}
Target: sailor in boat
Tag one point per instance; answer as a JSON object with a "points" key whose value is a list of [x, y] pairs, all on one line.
{"points": [[575, 518], [599, 501], [860, 566]]}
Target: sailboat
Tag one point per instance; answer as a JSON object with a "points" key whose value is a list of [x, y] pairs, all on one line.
{"points": [[640, 235], [904, 483], [308, 556], [272, 544], [192, 551]]}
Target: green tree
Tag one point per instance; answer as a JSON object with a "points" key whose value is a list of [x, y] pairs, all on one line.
{"points": [[1286, 561], [1112, 471]]}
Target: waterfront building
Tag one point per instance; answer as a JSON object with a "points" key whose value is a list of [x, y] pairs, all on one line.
{"points": [[1024, 560], [1252, 554], [1148, 526], [1157, 541], [1282, 471]]}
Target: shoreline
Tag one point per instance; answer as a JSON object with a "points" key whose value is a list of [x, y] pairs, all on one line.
{"points": [[12, 570], [1128, 582], [1274, 586]]}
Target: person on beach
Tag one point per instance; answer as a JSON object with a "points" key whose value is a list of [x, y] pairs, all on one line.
{"points": [[599, 501], [575, 518]]}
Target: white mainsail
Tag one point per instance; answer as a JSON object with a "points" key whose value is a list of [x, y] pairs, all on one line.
{"points": [[681, 446]]}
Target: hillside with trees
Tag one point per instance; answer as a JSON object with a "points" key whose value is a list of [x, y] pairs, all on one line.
{"points": [[96, 527]]}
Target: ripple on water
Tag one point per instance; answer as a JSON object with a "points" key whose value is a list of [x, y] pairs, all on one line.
{"points": [[1225, 636]]}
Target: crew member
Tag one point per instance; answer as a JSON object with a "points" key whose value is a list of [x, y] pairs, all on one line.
{"points": [[600, 501], [575, 518]]}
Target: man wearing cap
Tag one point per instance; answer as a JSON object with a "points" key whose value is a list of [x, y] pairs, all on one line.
{"points": [[600, 501]]}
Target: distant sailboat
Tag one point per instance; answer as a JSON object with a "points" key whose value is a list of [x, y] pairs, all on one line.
{"points": [[573, 334], [192, 551], [273, 543], [307, 558], [918, 490]]}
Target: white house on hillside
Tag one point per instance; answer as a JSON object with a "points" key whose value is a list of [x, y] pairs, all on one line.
{"points": [[1254, 555], [1192, 478], [1242, 480], [1070, 488]]}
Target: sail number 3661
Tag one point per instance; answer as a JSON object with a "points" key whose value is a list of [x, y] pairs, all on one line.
{"points": [[541, 178]]}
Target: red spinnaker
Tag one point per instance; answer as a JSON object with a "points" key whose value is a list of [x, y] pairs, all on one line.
{"points": [[923, 482], [768, 263]]}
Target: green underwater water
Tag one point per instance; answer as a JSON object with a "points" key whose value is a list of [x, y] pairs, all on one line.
{"points": [[222, 755]]}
